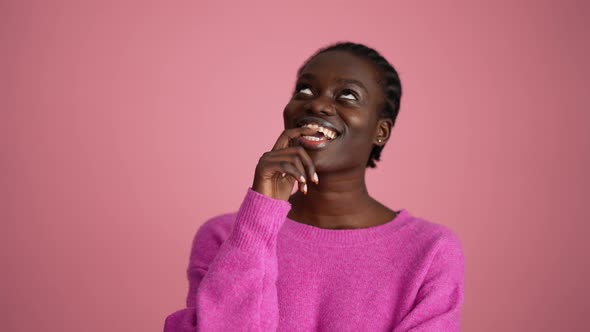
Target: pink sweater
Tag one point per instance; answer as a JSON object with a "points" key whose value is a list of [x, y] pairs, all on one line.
{"points": [[257, 270]]}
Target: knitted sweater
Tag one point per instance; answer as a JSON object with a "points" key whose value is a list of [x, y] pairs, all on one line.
{"points": [[258, 270]]}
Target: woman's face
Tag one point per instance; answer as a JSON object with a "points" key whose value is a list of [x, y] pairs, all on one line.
{"points": [[339, 91]]}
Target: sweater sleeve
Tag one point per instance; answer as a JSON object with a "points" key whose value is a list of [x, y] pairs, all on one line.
{"points": [[237, 289], [439, 300]]}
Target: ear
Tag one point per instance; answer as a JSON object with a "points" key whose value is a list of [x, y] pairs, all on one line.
{"points": [[383, 131]]}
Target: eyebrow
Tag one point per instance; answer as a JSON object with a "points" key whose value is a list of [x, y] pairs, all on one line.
{"points": [[340, 80]]}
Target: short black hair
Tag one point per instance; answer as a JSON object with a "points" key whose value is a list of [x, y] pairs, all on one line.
{"points": [[392, 88]]}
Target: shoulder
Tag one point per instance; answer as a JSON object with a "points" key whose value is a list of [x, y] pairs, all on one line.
{"points": [[433, 239], [209, 237]]}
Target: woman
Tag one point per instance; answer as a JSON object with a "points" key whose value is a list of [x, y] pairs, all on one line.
{"points": [[329, 257]]}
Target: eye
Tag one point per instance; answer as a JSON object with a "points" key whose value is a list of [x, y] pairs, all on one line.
{"points": [[305, 91], [348, 94]]}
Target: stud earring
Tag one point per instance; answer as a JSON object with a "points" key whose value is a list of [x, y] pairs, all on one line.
{"points": [[379, 140]]}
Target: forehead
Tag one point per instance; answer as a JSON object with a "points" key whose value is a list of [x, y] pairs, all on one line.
{"points": [[334, 65]]}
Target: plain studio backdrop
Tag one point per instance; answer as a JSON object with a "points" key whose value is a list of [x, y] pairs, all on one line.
{"points": [[126, 124]]}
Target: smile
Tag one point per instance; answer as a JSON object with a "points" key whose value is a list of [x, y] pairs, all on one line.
{"points": [[313, 143], [324, 134], [328, 133], [320, 139]]}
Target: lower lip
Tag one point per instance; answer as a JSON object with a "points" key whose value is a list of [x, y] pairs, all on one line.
{"points": [[314, 145]]}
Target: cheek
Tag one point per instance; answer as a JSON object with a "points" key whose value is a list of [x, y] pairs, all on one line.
{"points": [[360, 129], [286, 117], [289, 111]]}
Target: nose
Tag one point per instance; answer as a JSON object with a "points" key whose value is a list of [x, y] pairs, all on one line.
{"points": [[322, 106]]}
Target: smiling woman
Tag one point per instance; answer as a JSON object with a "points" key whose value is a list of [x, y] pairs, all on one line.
{"points": [[328, 257], [352, 90]]}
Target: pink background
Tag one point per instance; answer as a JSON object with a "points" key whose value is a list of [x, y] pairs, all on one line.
{"points": [[125, 125]]}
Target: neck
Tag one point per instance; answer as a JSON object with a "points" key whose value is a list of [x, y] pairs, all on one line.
{"points": [[340, 200]]}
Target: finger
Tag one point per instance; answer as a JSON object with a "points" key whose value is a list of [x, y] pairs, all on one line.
{"points": [[294, 160], [289, 134], [297, 162], [291, 170], [305, 158], [302, 182]]}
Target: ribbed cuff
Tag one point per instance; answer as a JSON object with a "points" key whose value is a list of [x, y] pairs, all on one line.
{"points": [[258, 222]]}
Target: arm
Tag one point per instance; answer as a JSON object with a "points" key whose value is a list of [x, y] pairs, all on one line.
{"points": [[439, 299], [237, 290]]}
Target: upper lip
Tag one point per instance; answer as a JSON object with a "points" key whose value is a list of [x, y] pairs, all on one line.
{"points": [[319, 121]]}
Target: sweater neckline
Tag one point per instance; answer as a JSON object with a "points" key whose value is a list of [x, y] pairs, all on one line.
{"points": [[331, 237]]}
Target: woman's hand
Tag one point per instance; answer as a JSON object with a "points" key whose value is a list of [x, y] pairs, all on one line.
{"points": [[278, 169]]}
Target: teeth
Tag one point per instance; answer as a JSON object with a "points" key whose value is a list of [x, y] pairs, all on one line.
{"points": [[327, 132], [312, 138]]}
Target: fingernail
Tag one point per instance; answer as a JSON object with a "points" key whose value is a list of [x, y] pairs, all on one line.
{"points": [[315, 178], [302, 179], [305, 188], [283, 174]]}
